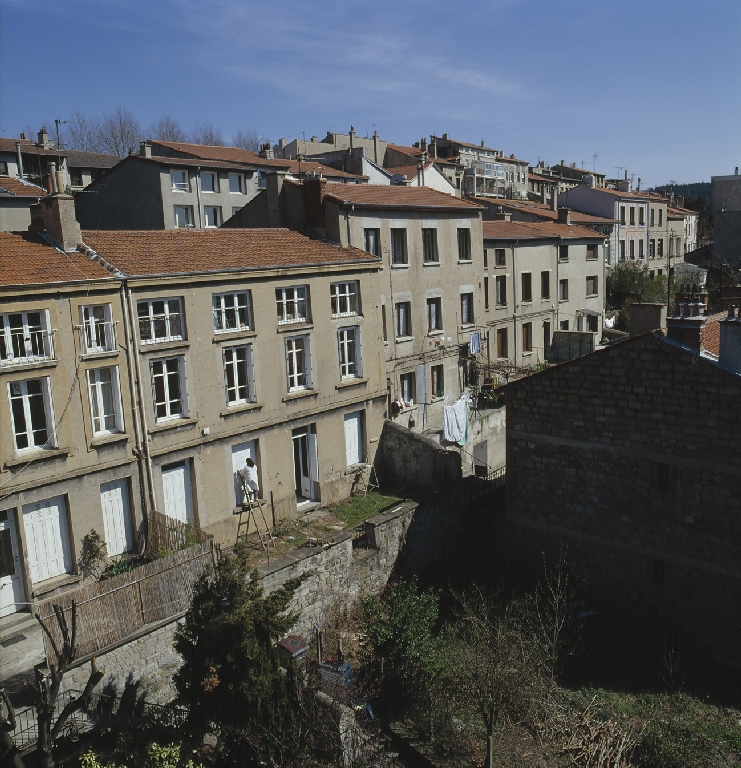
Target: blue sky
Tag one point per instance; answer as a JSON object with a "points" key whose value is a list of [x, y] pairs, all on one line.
{"points": [[651, 85]]}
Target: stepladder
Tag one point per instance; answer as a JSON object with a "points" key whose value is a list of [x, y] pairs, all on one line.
{"points": [[252, 515]]}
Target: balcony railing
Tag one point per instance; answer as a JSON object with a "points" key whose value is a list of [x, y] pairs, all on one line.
{"points": [[26, 347]]}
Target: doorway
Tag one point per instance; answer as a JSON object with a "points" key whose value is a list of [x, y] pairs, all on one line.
{"points": [[11, 583], [305, 463], [177, 490]]}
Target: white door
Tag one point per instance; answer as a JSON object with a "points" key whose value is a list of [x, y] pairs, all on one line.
{"points": [[11, 584], [353, 438], [177, 491], [47, 540], [240, 454], [114, 499]]}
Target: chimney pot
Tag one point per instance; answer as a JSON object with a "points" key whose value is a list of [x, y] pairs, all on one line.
{"points": [[736, 171]]}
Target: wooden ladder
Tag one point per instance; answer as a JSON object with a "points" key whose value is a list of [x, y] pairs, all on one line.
{"points": [[367, 480], [252, 509]]}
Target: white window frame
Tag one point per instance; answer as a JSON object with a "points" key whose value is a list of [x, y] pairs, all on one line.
{"points": [[188, 209], [296, 297], [241, 306], [217, 221], [345, 298], [348, 340], [51, 437], [167, 316], [34, 342], [168, 401], [239, 379], [215, 185], [298, 348], [97, 401], [180, 186], [240, 184], [97, 328]]}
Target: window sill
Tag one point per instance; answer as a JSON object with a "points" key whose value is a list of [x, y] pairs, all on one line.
{"points": [[292, 327], [39, 455], [231, 335], [31, 365], [404, 339], [172, 424], [465, 261], [500, 266], [431, 264], [592, 296], [49, 585], [351, 383], [400, 266], [437, 332], [150, 347], [103, 355], [241, 408], [114, 437], [468, 326], [299, 394], [527, 354], [545, 299], [562, 301]]}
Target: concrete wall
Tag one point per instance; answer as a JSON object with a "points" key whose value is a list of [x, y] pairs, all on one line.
{"points": [[15, 213]]}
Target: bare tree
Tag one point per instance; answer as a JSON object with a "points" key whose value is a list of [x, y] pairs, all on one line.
{"points": [[9, 754], [167, 129], [207, 133], [47, 687], [119, 133], [249, 139], [81, 133]]}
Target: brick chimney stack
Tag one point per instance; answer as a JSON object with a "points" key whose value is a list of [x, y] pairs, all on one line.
{"points": [[59, 221]]}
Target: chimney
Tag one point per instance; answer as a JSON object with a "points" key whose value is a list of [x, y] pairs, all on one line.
{"points": [[352, 137], [53, 178], [563, 163], [266, 151], [423, 144], [482, 143], [502, 215], [273, 189], [60, 222], [314, 190], [564, 216], [44, 139], [543, 195], [554, 199], [573, 166], [446, 137], [735, 173], [626, 175], [19, 157], [589, 180], [145, 148], [375, 147], [434, 148], [60, 180], [638, 188], [730, 339], [647, 317]]}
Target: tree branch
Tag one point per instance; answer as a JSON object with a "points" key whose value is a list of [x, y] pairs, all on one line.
{"points": [[96, 675]]}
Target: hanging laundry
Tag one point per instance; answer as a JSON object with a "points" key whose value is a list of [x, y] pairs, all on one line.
{"points": [[474, 344], [455, 422]]}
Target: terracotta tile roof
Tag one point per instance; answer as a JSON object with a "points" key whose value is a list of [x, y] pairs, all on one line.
{"points": [[382, 196], [27, 147], [512, 159], [177, 251], [411, 151], [10, 185], [538, 177], [465, 144], [618, 193], [678, 213], [77, 158], [27, 259], [544, 211], [535, 230]]}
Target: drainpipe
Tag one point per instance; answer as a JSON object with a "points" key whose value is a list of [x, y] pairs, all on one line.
{"points": [[20, 159], [347, 222], [198, 196], [128, 315]]}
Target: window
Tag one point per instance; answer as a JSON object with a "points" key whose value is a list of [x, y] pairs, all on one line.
{"points": [[486, 292], [344, 299], [262, 180], [238, 374], [33, 419], [399, 246], [97, 328], [652, 249], [563, 290], [383, 322], [653, 214], [632, 249], [232, 311], [545, 285], [235, 210], [297, 363], [438, 380], [563, 252], [527, 337], [235, 183], [75, 177], [434, 314], [25, 337], [592, 285], [501, 342], [500, 257], [292, 304], [3, 167], [592, 252], [632, 216], [661, 217], [407, 386], [183, 216], [593, 323], [373, 241], [180, 181], [429, 246], [527, 286], [486, 258], [660, 249], [209, 182], [642, 216], [160, 320], [546, 335], [622, 215], [501, 290], [622, 250], [640, 249], [167, 388], [464, 245], [349, 341], [563, 325], [105, 400], [467, 309], [403, 311], [212, 216]]}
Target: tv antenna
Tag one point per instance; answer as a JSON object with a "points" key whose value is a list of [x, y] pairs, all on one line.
{"points": [[594, 162]]}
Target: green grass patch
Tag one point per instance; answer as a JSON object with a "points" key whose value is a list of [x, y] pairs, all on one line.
{"points": [[359, 509]]}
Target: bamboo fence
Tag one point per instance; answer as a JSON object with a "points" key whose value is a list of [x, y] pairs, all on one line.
{"points": [[166, 535], [111, 610]]}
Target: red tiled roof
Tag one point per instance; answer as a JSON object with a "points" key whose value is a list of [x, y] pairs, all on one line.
{"points": [[382, 196], [176, 251], [27, 147], [411, 151], [540, 209], [535, 230], [27, 259], [618, 193], [10, 185]]}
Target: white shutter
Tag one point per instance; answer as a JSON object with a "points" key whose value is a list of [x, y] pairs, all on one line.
{"points": [[114, 499], [353, 438], [240, 454], [177, 491], [47, 539]]}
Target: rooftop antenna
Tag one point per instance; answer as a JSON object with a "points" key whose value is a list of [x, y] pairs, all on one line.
{"points": [[594, 162], [619, 169]]}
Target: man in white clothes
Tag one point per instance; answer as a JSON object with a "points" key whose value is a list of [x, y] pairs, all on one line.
{"points": [[250, 478]]}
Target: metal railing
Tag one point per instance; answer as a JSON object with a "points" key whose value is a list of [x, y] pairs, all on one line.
{"points": [[21, 349]]}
